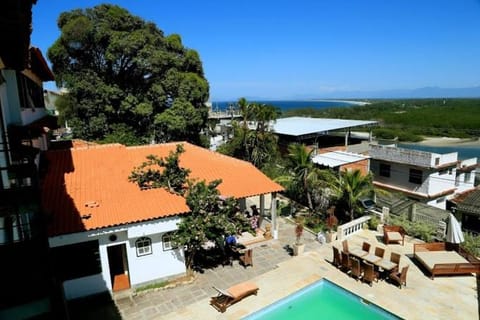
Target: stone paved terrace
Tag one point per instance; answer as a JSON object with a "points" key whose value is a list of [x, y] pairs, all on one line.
{"points": [[278, 274]]}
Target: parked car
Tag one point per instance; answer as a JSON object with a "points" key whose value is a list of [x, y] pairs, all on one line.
{"points": [[368, 204]]}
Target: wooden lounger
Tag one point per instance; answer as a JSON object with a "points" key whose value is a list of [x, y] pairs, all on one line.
{"points": [[226, 298]]}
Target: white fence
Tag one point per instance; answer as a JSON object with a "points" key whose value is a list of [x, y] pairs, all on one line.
{"points": [[352, 227]]}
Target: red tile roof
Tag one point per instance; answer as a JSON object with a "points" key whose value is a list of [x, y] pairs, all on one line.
{"points": [[92, 182]]}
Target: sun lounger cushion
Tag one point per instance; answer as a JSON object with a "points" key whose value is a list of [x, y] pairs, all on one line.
{"points": [[394, 236], [240, 289], [430, 258], [232, 295]]}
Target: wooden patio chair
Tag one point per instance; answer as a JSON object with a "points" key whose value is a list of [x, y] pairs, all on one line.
{"points": [[226, 298], [395, 258], [337, 259], [356, 268], [346, 262], [379, 252], [247, 258], [345, 246], [400, 278], [366, 246], [369, 273]]}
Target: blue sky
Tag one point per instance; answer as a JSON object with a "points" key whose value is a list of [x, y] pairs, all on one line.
{"points": [[286, 49]]}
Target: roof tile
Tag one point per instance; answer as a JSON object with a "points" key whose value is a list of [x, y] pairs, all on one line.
{"points": [[92, 182]]}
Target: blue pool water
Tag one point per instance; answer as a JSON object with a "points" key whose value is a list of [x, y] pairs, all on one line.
{"points": [[322, 300]]}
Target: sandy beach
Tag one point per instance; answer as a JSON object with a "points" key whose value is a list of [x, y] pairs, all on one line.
{"points": [[446, 141], [355, 102]]}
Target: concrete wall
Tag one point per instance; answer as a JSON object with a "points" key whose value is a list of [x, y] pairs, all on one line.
{"points": [[411, 157]]}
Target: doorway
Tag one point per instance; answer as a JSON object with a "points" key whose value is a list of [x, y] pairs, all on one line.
{"points": [[117, 260]]}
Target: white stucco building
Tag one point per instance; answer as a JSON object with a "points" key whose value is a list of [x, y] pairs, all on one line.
{"points": [[105, 233], [428, 177]]}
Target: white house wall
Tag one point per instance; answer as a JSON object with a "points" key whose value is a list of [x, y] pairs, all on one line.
{"points": [[441, 181], [399, 175], [160, 264]]}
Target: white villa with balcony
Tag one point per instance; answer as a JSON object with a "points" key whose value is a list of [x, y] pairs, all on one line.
{"points": [[428, 177]]}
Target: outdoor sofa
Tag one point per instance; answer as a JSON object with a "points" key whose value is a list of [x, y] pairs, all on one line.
{"points": [[393, 234], [441, 258]]}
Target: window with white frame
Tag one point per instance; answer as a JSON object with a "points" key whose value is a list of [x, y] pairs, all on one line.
{"points": [[167, 241], [143, 246]]}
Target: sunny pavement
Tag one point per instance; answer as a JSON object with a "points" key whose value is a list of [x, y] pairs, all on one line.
{"points": [[279, 274]]}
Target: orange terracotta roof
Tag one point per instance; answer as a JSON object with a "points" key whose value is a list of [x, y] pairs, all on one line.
{"points": [[92, 182]]}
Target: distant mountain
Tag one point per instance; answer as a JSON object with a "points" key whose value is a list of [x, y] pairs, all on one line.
{"points": [[419, 93], [426, 92]]}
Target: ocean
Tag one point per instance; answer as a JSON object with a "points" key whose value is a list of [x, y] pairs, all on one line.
{"points": [[288, 104], [464, 152]]}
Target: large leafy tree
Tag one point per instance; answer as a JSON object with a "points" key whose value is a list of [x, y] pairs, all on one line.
{"points": [[164, 173], [125, 76], [211, 217]]}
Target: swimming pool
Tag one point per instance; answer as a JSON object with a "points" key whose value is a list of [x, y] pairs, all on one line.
{"points": [[322, 300]]}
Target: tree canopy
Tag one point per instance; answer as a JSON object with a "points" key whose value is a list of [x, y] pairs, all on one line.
{"points": [[125, 76], [211, 216], [257, 145]]}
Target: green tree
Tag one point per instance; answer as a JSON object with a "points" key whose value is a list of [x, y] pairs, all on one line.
{"points": [[301, 175], [257, 145], [123, 74], [162, 173], [210, 219], [349, 187]]}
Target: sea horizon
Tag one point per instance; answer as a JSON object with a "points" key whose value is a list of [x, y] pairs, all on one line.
{"points": [[285, 105]]}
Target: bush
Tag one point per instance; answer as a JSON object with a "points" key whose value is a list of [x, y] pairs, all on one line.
{"points": [[410, 137], [373, 222], [384, 133], [314, 222], [416, 229], [471, 244]]}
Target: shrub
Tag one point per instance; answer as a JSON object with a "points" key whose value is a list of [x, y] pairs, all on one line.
{"points": [[410, 137], [471, 244], [373, 222], [314, 222], [416, 229]]}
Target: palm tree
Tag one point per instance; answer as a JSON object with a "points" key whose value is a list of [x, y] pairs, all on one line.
{"points": [[350, 187], [303, 168]]}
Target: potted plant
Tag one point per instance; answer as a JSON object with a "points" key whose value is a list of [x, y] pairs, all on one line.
{"points": [[331, 223], [299, 246]]}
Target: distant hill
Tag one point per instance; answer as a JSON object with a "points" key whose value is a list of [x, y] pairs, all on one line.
{"points": [[426, 92]]}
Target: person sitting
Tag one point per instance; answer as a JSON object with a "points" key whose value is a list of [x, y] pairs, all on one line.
{"points": [[231, 240], [254, 222]]}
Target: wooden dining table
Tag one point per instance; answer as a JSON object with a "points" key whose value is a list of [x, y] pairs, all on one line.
{"points": [[358, 252], [371, 258], [386, 265]]}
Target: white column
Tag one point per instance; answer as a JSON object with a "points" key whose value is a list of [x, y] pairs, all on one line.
{"points": [[273, 213], [262, 204]]}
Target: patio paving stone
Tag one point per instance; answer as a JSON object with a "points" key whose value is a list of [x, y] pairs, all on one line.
{"points": [[278, 274]]}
